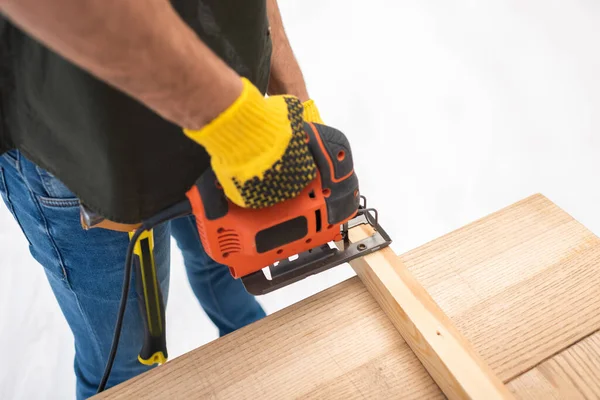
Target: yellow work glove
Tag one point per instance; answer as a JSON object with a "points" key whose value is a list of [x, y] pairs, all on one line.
{"points": [[258, 149], [311, 112]]}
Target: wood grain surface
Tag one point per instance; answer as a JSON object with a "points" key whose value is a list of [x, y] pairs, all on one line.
{"points": [[449, 358], [336, 344], [522, 285], [571, 374]]}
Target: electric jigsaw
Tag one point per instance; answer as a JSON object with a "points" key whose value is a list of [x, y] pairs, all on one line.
{"points": [[267, 248], [273, 247]]}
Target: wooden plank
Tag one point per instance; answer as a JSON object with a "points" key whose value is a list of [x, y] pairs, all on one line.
{"points": [[448, 357], [521, 284], [573, 374], [336, 344]]}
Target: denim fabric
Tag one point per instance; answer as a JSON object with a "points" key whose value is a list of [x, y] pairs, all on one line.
{"points": [[85, 271]]}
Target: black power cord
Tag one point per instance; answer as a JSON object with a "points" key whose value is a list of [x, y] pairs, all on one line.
{"points": [[180, 209], [122, 306]]}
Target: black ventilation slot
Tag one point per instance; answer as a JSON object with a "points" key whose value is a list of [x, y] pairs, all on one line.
{"points": [[281, 234], [318, 220]]}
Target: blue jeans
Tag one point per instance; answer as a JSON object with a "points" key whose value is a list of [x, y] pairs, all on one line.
{"points": [[85, 271]]}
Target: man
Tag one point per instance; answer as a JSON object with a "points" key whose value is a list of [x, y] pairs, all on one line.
{"points": [[121, 105]]}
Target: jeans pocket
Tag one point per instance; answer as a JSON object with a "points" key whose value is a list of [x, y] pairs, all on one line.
{"points": [[62, 223], [57, 195], [56, 190]]}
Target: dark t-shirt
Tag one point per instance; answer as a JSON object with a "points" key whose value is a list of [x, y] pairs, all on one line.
{"points": [[121, 159]]}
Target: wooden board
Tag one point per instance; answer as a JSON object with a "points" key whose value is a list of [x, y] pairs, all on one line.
{"points": [[451, 361], [336, 344], [522, 285], [571, 374]]}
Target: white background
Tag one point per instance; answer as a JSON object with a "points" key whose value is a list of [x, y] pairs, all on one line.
{"points": [[453, 109]]}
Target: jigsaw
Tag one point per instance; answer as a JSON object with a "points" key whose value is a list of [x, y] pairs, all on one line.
{"points": [[273, 247]]}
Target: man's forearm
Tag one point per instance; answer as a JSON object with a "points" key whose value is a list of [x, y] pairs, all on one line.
{"points": [[141, 47], [286, 75]]}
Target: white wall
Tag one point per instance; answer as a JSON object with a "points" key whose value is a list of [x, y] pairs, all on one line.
{"points": [[454, 110]]}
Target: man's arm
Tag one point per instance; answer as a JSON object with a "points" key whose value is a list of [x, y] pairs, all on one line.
{"points": [[286, 75], [141, 47]]}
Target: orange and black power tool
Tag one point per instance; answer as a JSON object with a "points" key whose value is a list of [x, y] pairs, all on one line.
{"points": [[266, 248], [291, 238]]}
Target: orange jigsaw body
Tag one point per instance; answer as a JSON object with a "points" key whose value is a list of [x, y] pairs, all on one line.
{"points": [[248, 240]]}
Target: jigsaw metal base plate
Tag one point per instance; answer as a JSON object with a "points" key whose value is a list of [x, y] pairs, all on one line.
{"points": [[319, 259]]}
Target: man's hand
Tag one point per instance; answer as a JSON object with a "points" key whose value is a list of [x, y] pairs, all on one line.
{"points": [[258, 149], [141, 47]]}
